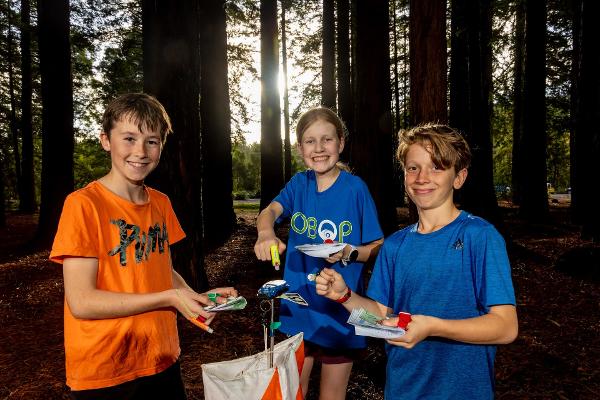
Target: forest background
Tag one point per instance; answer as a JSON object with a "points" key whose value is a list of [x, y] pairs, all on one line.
{"points": [[518, 78]]}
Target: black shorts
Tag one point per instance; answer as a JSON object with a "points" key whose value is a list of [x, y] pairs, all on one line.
{"points": [[164, 385], [327, 355]]}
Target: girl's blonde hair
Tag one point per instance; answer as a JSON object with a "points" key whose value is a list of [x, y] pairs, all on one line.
{"points": [[448, 148], [324, 114], [320, 113]]}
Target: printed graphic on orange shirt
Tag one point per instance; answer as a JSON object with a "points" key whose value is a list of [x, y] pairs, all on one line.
{"points": [[145, 242]]}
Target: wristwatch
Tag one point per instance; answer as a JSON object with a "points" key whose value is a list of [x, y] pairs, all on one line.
{"points": [[352, 256]]}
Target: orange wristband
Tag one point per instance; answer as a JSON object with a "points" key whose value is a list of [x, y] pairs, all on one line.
{"points": [[345, 297]]}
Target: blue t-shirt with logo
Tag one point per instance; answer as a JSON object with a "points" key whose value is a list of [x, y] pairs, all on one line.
{"points": [[457, 272], [345, 213]]}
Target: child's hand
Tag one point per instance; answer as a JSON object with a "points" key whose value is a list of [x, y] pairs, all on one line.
{"points": [[330, 284], [262, 247], [191, 304], [335, 257], [220, 296], [416, 331]]}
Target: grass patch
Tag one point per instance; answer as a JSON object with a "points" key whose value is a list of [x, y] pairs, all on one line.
{"points": [[246, 206]]}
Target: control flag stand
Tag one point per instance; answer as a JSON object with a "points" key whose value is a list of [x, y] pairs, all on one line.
{"points": [[256, 377], [268, 292]]}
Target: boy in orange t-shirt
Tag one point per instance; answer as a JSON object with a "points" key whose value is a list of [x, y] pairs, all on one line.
{"points": [[121, 291]]}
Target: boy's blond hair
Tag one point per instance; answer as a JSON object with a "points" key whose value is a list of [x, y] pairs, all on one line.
{"points": [[141, 108], [448, 148]]}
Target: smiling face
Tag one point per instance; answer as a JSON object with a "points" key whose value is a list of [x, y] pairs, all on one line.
{"points": [[133, 153], [320, 147], [429, 186]]}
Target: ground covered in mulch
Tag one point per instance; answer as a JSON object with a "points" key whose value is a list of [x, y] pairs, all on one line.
{"points": [[557, 354]]}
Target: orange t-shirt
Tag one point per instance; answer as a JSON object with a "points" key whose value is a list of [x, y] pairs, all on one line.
{"points": [[131, 243]]}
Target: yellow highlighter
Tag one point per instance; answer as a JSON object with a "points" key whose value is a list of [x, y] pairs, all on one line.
{"points": [[275, 257]]}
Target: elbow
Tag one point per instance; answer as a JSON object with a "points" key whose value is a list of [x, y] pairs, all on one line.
{"points": [[510, 334], [78, 308]]}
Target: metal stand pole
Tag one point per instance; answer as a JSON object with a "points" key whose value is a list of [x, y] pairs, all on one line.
{"points": [[271, 334]]}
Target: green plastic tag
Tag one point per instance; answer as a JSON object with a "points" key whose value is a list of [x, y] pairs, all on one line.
{"points": [[275, 325]]}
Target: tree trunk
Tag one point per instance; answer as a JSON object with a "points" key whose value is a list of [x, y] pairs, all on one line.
{"points": [[588, 133], [271, 168], [2, 187], [57, 114], [328, 59], [518, 101], [27, 202], [287, 148], [217, 187], [534, 201], [12, 113], [371, 144], [428, 61], [577, 212], [396, 90], [470, 110], [344, 93], [428, 54], [398, 8], [171, 49]]}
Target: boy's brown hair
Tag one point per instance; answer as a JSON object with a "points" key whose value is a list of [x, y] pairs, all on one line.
{"points": [[448, 148], [142, 109]]}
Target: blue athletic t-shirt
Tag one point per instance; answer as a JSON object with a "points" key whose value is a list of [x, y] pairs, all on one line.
{"points": [[457, 272], [344, 213]]}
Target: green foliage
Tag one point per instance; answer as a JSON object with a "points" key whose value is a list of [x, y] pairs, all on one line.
{"points": [[121, 67], [502, 144], [558, 64], [243, 38], [107, 50], [558, 150], [246, 169], [91, 161]]}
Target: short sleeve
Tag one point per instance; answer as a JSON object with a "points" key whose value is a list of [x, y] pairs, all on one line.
{"points": [[371, 230], [77, 233], [380, 285], [494, 282], [286, 196], [174, 228]]}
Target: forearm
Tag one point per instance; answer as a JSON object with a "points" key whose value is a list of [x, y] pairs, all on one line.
{"points": [[178, 281], [103, 304], [358, 301], [369, 251], [499, 326], [265, 221]]}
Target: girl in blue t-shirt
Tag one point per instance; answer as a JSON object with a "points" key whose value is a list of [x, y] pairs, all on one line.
{"points": [[325, 204]]}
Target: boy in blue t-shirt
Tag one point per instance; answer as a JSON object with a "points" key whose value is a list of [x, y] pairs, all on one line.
{"points": [[450, 270]]}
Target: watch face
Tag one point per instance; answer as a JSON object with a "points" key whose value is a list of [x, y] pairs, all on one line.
{"points": [[353, 255]]}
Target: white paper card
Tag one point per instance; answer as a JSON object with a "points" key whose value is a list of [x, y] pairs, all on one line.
{"points": [[322, 250]]}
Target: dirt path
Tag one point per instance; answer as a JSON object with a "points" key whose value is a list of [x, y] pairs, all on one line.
{"points": [[557, 354]]}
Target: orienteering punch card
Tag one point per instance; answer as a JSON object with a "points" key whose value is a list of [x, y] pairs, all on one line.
{"points": [[233, 303]]}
